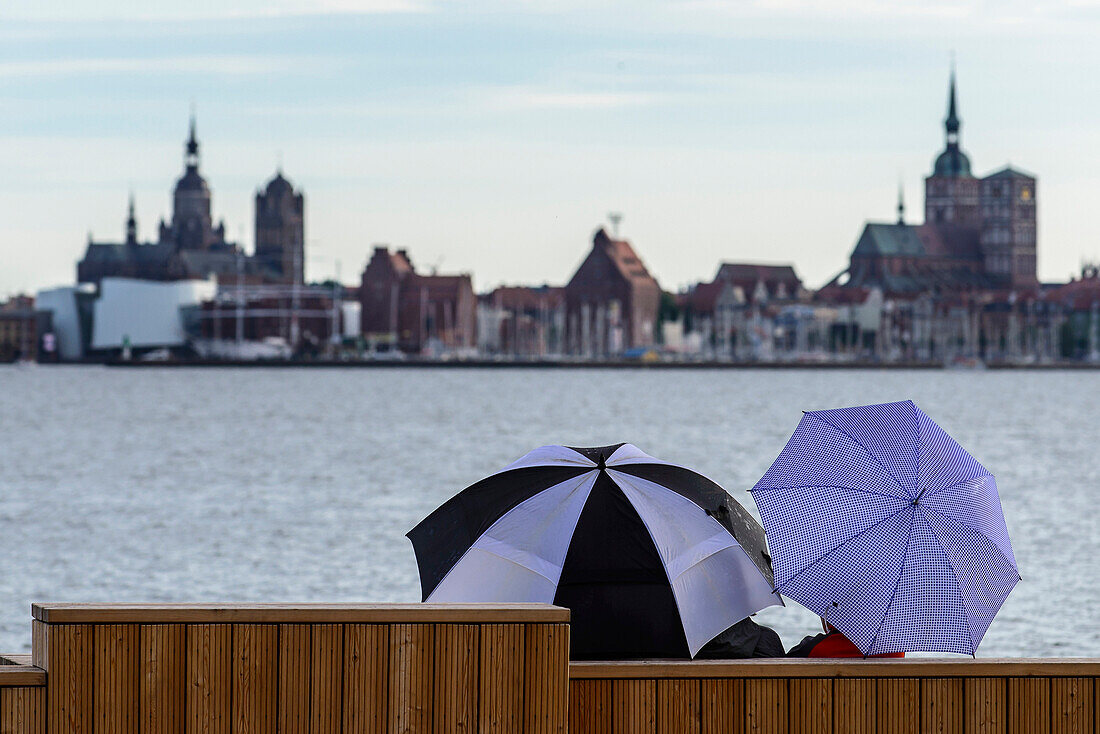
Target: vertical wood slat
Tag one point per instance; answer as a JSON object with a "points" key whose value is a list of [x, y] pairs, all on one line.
{"points": [[23, 710], [678, 706], [500, 678], [209, 678], [634, 706], [942, 705], [68, 664], [854, 705], [590, 707], [411, 650], [366, 677], [985, 705], [898, 706], [1029, 706], [766, 707], [456, 678], [255, 678], [116, 672], [546, 678], [326, 684], [722, 707], [811, 705], [163, 659], [38, 643], [295, 661], [1071, 705]]}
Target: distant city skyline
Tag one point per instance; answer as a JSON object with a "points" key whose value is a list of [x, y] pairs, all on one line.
{"points": [[494, 137]]}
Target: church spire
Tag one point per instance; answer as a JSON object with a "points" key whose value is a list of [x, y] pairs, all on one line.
{"points": [[901, 204], [952, 123], [131, 223], [191, 150]]}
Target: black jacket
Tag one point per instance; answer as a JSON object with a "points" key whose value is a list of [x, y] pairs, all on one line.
{"points": [[746, 639]]}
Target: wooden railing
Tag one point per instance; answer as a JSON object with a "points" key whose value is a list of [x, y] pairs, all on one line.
{"points": [[794, 696], [451, 668], [301, 668]]}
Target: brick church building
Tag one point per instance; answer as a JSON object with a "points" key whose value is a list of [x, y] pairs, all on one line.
{"points": [[979, 234], [190, 245]]}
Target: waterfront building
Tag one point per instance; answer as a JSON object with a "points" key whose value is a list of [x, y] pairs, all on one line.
{"points": [[726, 318], [417, 314], [522, 321], [191, 246], [611, 302], [24, 331], [280, 231], [978, 235]]}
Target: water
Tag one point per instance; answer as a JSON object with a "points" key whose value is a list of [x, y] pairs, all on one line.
{"points": [[164, 485]]}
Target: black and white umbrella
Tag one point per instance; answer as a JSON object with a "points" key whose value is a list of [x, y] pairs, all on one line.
{"points": [[653, 559]]}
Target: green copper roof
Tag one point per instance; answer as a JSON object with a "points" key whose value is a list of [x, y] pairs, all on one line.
{"points": [[889, 239], [952, 163]]}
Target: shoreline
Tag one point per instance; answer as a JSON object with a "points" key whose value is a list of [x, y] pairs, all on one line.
{"points": [[610, 364]]}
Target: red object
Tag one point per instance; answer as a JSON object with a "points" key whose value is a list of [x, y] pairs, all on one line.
{"points": [[836, 645]]}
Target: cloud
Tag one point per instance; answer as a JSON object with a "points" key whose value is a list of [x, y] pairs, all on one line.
{"points": [[240, 65], [171, 10], [520, 98]]}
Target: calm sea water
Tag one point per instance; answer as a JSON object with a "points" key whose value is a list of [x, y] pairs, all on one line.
{"points": [[299, 485]]}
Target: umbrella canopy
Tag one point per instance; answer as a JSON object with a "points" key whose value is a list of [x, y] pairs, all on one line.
{"points": [[881, 523], [653, 559]]}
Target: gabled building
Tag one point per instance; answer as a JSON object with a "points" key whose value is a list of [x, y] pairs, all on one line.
{"points": [[412, 312], [612, 302]]}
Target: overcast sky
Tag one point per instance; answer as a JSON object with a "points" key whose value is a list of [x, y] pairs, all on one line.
{"points": [[495, 136]]}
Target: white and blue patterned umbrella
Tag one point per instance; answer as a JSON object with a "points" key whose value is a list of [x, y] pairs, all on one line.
{"points": [[880, 522]]}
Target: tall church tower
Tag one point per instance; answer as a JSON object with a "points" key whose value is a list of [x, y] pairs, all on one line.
{"points": [[951, 193], [280, 230], [192, 227]]}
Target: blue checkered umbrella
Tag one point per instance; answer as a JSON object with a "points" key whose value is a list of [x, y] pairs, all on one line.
{"points": [[880, 522]]}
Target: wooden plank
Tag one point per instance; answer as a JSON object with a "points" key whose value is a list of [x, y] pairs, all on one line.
{"points": [[366, 677], [70, 652], [38, 643], [255, 678], [634, 706], [942, 706], [722, 706], [590, 707], [21, 676], [209, 678], [23, 710], [500, 678], [766, 708], [678, 706], [837, 668], [1029, 705], [455, 682], [811, 705], [1071, 703], [855, 706], [299, 613], [326, 681], [899, 706], [410, 695], [116, 672], [985, 705], [163, 653], [546, 678], [295, 661]]}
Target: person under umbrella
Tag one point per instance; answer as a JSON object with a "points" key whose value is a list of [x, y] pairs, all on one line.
{"points": [[653, 559], [884, 526]]}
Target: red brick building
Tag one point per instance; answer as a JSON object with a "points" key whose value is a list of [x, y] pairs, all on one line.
{"points": [[611, 302], [416, 313], [522, 321]]}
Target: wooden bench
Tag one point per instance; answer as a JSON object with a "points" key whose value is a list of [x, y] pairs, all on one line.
{"points": [[462, 668], [834, 696]]}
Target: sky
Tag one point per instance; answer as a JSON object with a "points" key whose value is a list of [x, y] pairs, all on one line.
{"points": [[495, 136]]}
